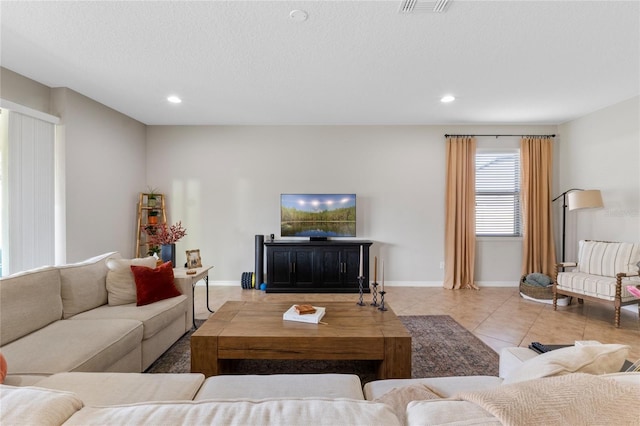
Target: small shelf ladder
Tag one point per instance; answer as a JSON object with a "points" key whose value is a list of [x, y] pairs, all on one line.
{"points": [[149, 206]]}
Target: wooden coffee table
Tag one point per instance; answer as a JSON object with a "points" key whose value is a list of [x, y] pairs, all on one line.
{"points": [[256, 330]]}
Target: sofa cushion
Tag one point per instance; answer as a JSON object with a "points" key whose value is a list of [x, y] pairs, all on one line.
{"points": [[121, 286], [30, 300], [154, 284], [595, 285], [591, 359], [154, 317], [281, 386], [84, 284], [33, 406], [68, 345], [443, 386], [440, 412], [328, 412], [125, 388], [607, 258], [399, 398], [24, 379]]}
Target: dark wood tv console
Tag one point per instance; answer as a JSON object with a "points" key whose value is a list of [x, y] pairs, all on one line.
{"points": [[330, 266]]}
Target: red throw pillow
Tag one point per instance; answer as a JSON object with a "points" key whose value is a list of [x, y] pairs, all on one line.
{"points": [[3, 368], [153, 285]]}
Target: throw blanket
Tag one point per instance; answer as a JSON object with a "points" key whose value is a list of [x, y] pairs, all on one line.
{"points": [[573, 399]]}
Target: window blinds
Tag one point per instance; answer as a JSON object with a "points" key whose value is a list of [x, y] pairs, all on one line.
{"points": [[498, 193], [29, 214]]}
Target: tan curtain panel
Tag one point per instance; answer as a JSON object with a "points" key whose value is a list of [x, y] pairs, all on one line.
{"points": [[460, 214], [538, 246]]}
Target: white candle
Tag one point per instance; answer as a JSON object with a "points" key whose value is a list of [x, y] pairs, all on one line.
{"points": [[361, 274], [382, 273]]}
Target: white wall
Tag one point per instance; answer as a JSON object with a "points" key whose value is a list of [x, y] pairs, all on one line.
{"points": [[602, 151], [104, 166], [105, 169], [24, 91], [225, 182]]}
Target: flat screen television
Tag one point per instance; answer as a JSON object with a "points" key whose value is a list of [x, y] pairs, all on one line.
{"points": [[318, 216]]}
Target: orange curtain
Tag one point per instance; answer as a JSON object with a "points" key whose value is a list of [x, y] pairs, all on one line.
{"points": [[538, 247], [460, 215]]}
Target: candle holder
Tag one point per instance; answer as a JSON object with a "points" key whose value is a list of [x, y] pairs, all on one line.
{"points": [[382, 307], [360, 282], [375, 295]]}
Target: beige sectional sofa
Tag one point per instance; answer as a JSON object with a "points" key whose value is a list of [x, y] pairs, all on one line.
{"points": [[529, 387], [57, 319]]}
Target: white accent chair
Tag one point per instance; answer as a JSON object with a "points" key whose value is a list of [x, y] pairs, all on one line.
{"points": [[602, 272]]}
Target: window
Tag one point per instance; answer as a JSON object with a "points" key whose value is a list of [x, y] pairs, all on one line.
{"points": [[498, 193], [28, 190]]}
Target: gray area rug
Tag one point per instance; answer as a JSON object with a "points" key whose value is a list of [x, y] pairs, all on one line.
{"points": [[440, 348]]}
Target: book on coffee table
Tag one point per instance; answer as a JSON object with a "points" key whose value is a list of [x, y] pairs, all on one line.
{"points": [[293, 315]]}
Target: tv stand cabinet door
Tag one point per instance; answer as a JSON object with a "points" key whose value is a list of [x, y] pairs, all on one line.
{"points": [[351, 260], [338, 267], [290, 267], [302, 261], [279, 269], [330, 268]]}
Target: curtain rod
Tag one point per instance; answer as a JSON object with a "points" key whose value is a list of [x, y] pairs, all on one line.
{"points": [[497, 136]]}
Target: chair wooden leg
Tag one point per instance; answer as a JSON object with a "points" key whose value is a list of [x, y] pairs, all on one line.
{"points": [[580, 301], [555, 302], [617, 317]]}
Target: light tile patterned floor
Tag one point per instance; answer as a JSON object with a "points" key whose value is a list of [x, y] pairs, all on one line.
{"points": [[498, 316]]}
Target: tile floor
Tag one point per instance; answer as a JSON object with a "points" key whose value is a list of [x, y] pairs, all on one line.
{"points": [[498, 316]]}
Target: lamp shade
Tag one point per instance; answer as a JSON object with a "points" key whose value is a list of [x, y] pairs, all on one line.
{"points": [[587, 199]]}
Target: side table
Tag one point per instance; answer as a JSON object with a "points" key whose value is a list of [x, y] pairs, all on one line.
{"points": [[201, 273]]}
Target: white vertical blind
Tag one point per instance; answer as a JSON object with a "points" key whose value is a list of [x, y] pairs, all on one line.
{"points": [[498, 193], [31, 197]]}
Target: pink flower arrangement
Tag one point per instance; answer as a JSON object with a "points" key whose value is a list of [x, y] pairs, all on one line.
{"points": [[163, 234]]}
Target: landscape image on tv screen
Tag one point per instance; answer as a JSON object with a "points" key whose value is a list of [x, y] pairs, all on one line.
{"points": [[318, 215]]}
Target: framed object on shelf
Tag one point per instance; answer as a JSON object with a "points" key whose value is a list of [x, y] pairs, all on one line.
{"points": [[193, 259]]}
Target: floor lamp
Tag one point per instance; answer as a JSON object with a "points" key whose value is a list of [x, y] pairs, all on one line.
{"points": [[576, 199]]}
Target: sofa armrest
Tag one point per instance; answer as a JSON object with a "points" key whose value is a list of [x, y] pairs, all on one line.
{"points": [[560, 266], [557, 268], [512, 358], [619, 278], [627, 275]]}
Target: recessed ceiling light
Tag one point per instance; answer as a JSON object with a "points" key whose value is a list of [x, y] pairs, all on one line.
{"points": [[174, 99], [298, 15], [447, 98]]}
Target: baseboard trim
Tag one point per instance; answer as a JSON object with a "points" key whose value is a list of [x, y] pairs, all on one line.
{"points": [[387, 284]]}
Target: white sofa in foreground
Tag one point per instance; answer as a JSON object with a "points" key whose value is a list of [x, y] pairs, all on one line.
{"points": [[575, 380], [59, 319]]}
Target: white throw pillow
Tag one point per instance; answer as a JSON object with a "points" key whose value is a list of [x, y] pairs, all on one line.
{"points": [[590, 359], [121, 286]]}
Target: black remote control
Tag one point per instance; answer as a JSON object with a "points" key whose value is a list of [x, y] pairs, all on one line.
{"points": [[539, 347]]}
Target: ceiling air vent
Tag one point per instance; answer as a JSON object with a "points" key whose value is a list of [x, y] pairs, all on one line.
{"points": [[423, 6]]}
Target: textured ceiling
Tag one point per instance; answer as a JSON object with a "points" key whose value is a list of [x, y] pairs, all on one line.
{"points": [[350, 62]]}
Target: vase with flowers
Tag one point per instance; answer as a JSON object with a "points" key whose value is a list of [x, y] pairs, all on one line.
{"points": [[166, 237]]}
